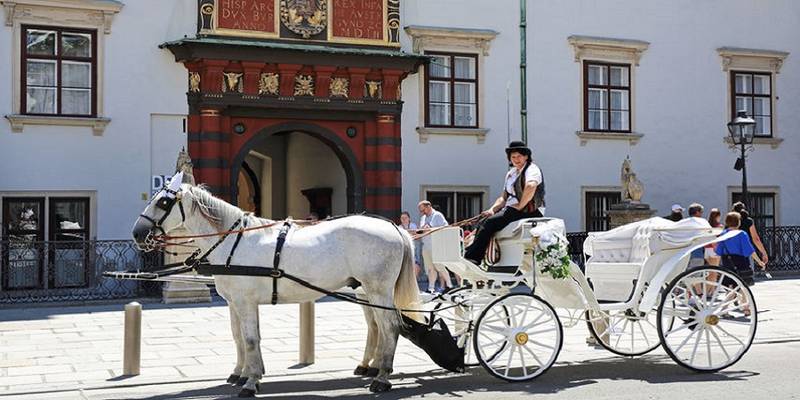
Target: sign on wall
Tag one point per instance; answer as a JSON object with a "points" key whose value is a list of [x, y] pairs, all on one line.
{"points": [[373, 22]]}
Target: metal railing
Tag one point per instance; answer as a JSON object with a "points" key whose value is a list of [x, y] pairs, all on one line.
{"points": [[70, 271], [783, 247]]}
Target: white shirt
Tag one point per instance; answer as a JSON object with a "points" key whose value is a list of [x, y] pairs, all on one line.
{"points": [[434, 220], [532, 175]]}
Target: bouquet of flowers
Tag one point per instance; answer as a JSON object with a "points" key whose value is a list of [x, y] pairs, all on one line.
{"points": [[552, 256]]}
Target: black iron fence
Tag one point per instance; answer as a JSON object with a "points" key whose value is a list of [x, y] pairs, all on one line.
{"points": [[781, 242], [783, 247], [66, 271]]}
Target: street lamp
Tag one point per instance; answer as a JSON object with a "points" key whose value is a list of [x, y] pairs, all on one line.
{"points": [[741, 130]]}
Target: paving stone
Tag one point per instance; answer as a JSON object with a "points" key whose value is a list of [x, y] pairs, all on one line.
{"points": [[39, 369]]}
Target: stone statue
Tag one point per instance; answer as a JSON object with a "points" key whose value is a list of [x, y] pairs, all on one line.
{"points": [[632, 188], [184, 164]]}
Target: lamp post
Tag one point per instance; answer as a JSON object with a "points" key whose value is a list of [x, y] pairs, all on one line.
{"points": [[741, 130]]}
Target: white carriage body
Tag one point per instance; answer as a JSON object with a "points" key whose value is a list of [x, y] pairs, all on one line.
{"points": [[626, 265]]}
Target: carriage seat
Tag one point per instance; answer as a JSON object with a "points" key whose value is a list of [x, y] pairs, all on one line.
{"points": [[514, 230]]}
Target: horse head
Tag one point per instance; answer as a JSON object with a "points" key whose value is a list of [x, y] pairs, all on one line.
{"points": [[163, 213]]}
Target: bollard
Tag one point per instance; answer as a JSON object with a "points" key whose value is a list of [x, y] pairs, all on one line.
{"points": [[132, 355], [307, 333]]}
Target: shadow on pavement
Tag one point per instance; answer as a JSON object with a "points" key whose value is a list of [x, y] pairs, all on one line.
{"points": [[563, 376]]}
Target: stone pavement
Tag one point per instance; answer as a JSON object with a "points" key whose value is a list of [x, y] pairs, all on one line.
{"points": [[76, 352]]}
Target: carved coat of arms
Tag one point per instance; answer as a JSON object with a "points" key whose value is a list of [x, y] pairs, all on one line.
{"points": [[304, 17]]}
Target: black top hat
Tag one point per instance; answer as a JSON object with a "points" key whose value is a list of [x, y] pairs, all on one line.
{"points": [[519, 147]]}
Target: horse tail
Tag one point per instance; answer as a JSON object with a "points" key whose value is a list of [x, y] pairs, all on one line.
{"points": [[406, 290]]}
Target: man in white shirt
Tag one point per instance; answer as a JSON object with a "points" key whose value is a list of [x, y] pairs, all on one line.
{"points": [[523, 197], [430, 218]]}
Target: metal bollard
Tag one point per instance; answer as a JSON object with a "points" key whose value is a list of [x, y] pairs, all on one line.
{"points": [[132, 355], [307, 333]]}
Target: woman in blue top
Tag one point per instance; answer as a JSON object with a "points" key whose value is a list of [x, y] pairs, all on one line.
{"points": [[736, 250]]}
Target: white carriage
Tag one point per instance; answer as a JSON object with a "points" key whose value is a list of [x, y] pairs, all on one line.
{"points": [[637, 293]]}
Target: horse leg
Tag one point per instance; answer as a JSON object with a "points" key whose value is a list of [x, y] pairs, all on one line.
{"points": [[251, 336], [388, 322], [364, 369], [236, 330]]}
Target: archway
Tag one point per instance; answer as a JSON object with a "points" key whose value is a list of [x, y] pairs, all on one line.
{"points": [[280, 139]]}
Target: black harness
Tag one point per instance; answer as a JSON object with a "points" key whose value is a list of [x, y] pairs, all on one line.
{"points": [[166, 203]]}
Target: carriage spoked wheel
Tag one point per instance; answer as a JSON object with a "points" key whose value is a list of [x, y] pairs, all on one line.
{"points": [[460, 318], [715, 319], [624, 332], [517, 337]]}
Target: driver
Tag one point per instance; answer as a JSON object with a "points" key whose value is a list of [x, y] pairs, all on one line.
{"points": [[523, 197]]}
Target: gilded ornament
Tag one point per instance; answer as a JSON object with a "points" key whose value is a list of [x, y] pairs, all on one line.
{"points": [[194, 82], [303, 85], [374, 89], [339, 87], [232, 82], [268, 83], [304, 17]]}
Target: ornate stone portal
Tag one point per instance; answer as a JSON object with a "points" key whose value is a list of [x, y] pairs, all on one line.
{"points": [[631, 209], [181, 292]]}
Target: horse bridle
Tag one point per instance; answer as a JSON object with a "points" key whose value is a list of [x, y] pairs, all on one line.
{"points": [[166, 203]]}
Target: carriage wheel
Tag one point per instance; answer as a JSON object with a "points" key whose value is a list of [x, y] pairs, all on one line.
{"points": [[460, 319], [711, 330], [517, 337], [624, 332]]}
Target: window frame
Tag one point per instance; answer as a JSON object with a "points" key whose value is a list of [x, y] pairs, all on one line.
{"points": [[452, 81], [454, 195], [59, 59], [608, 88], [752, 96], [759, 220], [588, 194]]}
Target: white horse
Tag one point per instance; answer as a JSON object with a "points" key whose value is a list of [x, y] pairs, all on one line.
{"points": [[329, 255]]}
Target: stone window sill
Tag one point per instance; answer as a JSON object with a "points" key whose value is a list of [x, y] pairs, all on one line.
{"points": [[772, 141], [478, 133], [585, 136], [18, 122]]}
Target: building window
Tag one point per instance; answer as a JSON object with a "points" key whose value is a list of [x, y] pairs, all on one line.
{"points": [[596, 209], [761, 206], [607, 97], [451, 91], [752, 92], [456, 206], [27, 221], [58, 71]]}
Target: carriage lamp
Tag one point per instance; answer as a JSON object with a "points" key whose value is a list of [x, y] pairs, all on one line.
{"points": [[741, 130]]}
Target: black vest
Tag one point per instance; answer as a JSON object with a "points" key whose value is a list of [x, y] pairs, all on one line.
{"points": [[519, 187]]}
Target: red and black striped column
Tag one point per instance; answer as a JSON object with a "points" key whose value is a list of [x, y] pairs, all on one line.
{"points": [[382, 167]]}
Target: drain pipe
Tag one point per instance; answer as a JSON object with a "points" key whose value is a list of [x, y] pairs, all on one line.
{"points": [[523, 95]]}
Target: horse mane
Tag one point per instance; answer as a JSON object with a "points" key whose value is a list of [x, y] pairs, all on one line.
{"points": [[216, 211]]}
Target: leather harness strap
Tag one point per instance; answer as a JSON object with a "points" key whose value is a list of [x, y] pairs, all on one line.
{"points": [[276, 272]]}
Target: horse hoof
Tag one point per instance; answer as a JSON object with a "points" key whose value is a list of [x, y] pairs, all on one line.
{"points": [[247, 393], [360, 371], [378, 386], [242, 380], [372, 372], [233, 379]]}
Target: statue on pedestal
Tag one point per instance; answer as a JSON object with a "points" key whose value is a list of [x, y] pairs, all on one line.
{"points": [[632, 188]]}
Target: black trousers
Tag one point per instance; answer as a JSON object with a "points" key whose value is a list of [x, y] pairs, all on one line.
{"points": [[477, 250]]}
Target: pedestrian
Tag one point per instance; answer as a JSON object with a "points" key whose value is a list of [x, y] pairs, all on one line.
{"points": [[411, 227], [523, 197], [697, 259], [736, 252], [711, 256], [676, 214], [748, 225], [431, 218]]}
